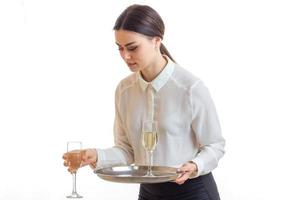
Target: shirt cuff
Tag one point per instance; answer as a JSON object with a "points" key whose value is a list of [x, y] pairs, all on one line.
{"points": [[110, 157], [101, 158], [200, 168]]}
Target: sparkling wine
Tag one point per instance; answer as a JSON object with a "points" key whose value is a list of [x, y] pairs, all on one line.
{"points": [[74, 158], [149, 140]]}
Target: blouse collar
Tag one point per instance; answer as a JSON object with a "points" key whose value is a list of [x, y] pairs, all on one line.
{"points": [[161, 79]]}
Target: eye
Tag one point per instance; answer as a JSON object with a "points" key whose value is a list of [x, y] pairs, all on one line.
{"points": [[132, 48]]}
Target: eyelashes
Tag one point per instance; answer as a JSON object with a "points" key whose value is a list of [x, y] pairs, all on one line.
{"points": [[129, 48], [132, 48]]}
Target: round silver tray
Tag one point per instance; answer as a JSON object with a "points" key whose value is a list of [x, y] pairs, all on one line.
{"points": [[136, 174]]}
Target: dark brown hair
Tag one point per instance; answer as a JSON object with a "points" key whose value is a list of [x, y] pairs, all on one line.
{"points": [[144, 20]]}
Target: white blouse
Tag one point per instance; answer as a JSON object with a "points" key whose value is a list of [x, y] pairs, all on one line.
{"points": [[188, 126]]}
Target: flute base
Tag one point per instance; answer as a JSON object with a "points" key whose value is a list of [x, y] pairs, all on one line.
{"points": [[74, 195]]}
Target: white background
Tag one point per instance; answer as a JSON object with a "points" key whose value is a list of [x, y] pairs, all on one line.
{"points": [[59, 68]]}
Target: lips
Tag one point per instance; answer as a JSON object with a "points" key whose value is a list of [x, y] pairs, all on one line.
{"points": [[131, 64]]}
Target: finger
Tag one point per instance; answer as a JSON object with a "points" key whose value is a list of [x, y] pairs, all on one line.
{"points": [[64, 156], [180, 180], [184, 168], [66, 163], [180, 175], [85, 161], [71, 170]]}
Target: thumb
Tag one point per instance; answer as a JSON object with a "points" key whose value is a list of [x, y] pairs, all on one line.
{"points": [[85, 158], [89, 156], [184, 168]]}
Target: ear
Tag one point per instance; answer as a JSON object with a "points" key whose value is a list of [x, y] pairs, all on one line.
{"points": [[157, 42]]}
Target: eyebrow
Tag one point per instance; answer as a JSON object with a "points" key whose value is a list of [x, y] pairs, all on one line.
{"points": [[128, 44]]}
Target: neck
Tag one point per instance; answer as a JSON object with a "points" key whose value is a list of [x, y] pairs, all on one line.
{"points": [[151, 72]]}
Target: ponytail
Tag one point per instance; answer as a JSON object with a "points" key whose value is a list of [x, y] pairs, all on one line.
{"points": [[164, 51]]}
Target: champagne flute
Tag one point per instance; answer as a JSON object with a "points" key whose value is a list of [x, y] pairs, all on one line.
{"points": [[149, 141], [74, 157]]}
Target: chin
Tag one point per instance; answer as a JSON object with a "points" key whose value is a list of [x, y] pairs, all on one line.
{"points": [[134, 70]]}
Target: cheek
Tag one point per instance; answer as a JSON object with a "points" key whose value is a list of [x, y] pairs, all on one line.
{"points": [[144, 55], [138, 57]]}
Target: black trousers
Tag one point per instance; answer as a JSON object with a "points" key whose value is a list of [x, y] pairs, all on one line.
{"points": [[200, 188]]}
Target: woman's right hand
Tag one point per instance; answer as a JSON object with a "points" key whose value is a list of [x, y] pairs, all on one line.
{"points": [[88, 157]]}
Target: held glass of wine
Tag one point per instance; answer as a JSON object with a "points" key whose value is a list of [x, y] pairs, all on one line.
{"points": [[74, 157], [149, 141]]}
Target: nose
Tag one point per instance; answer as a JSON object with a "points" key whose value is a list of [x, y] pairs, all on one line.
{"points": [[125, 55]]}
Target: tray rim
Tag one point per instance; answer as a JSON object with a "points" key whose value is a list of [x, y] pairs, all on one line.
{"points": [[137, 179]]}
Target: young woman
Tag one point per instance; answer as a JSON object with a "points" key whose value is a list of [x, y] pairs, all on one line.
{"points": [[159, 89]]}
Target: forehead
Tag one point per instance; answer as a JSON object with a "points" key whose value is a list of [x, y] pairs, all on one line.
{"points": [[124, 37]]}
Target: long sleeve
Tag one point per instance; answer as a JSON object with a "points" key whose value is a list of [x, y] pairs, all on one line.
{"points": [[206, 126], [121, 153]]}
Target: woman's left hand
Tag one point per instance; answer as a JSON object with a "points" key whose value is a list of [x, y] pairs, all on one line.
{"points": [[186, 171]]}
